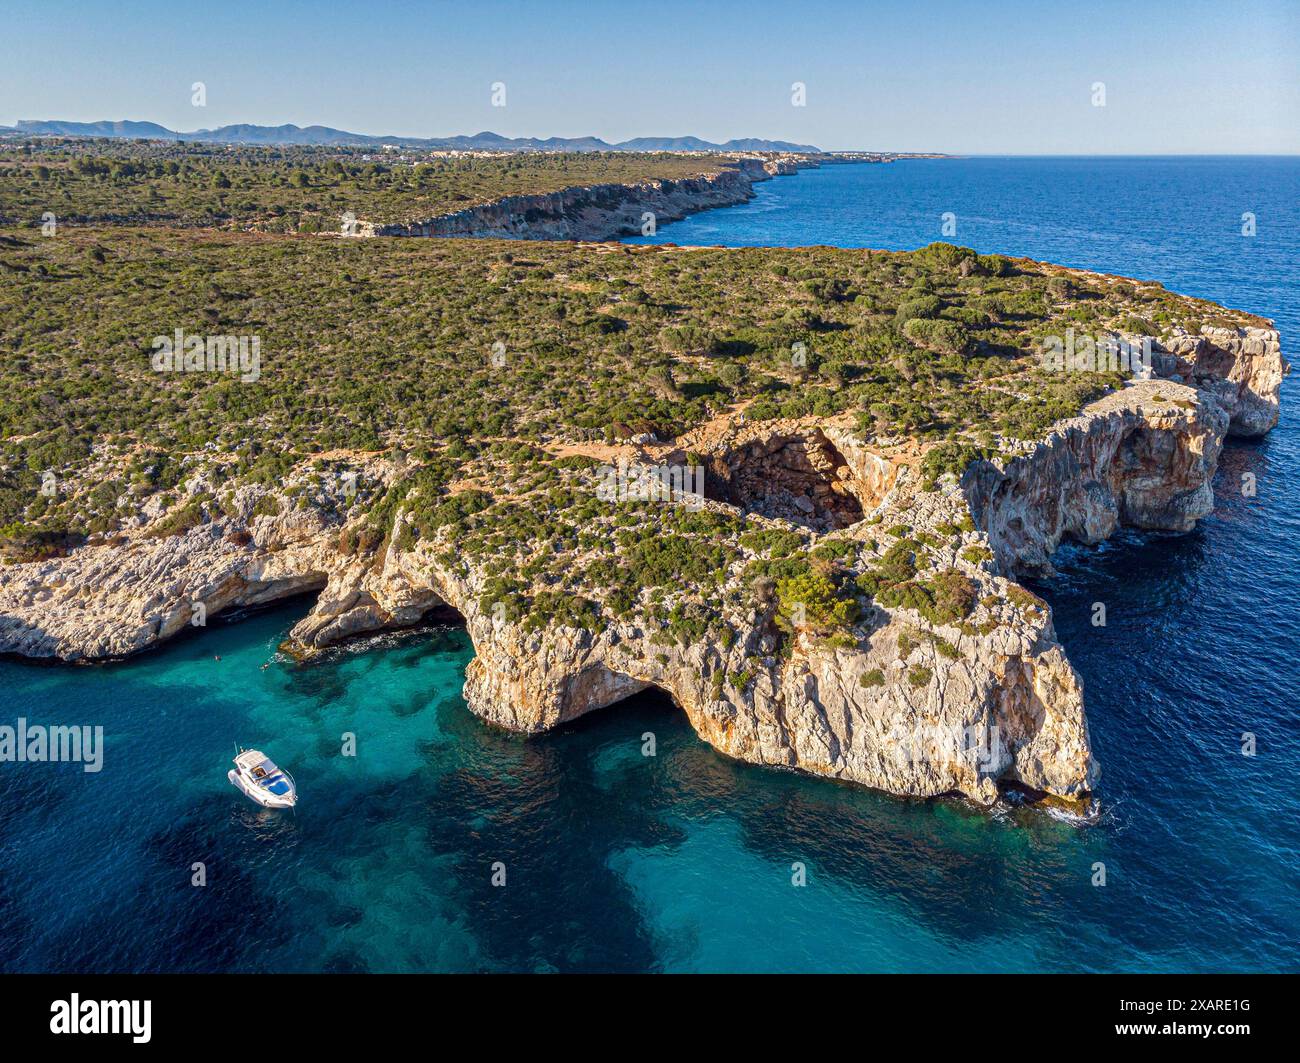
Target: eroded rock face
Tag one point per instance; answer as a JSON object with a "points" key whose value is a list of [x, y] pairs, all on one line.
{"points": [[797, 476], [1243, 368], [112, 600], [596, 212], [906, 704], [1142, 458]]}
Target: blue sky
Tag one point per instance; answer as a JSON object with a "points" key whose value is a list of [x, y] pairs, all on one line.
{"points": [[1187, 77]]}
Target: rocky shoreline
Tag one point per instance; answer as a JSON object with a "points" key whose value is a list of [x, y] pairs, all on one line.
{"points": [[1113, 466], [597, 213], [600, 212], [914, 704]]}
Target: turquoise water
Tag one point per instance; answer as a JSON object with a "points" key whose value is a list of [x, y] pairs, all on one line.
{"points": [[613, 860], [682, 862]]}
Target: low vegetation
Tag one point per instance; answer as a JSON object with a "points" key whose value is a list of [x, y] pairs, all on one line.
{"points": [[288, 189], [467, 366]]}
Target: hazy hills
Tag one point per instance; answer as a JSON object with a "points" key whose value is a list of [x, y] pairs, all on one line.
{"points": [[325, 135]]}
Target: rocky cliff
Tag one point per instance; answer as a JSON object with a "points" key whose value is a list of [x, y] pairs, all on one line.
{"points": [[1140, 458], [897, 653], [1241, 367], [600, 212]]}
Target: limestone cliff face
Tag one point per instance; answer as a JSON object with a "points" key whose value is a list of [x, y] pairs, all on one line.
{"points": [[1013, 709], [893, 711], [596, 212], [116, 599], [906, 704], [1141, 458], [1243, 369]]}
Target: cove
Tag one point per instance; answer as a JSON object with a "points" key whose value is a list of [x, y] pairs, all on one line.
{"points": [[682, 861]]}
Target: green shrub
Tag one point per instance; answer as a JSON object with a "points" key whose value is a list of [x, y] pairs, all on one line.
{"points": [[179, 521], [775, 542], [267, 506], [942, 337], [996, 265], [945, 256], [825, 606], [954, 594], [928, 306], [947, 598], [948, 457], [1025, 600], [899, 562], [873, 678]]}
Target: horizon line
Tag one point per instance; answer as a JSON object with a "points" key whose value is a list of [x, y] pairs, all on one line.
{"points": [[17, 131]]}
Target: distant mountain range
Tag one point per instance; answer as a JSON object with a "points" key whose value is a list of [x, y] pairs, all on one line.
{"points": [[324, 135]]}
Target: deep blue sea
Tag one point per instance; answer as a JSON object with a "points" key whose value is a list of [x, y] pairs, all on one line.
{"points": [[682, 862]]}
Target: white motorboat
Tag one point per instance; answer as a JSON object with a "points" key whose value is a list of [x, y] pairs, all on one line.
{"points": [[260, 779]]}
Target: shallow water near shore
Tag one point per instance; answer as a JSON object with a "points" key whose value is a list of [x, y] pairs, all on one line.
{"points": [[683, 861]]}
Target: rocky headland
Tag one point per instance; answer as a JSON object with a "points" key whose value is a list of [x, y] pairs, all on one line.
{"points": [[603, 211], [948, 680]]}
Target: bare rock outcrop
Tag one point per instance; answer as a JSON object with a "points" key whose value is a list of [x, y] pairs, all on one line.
{"points": [[1142, 457], [114, 599], [1242, 367]]}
